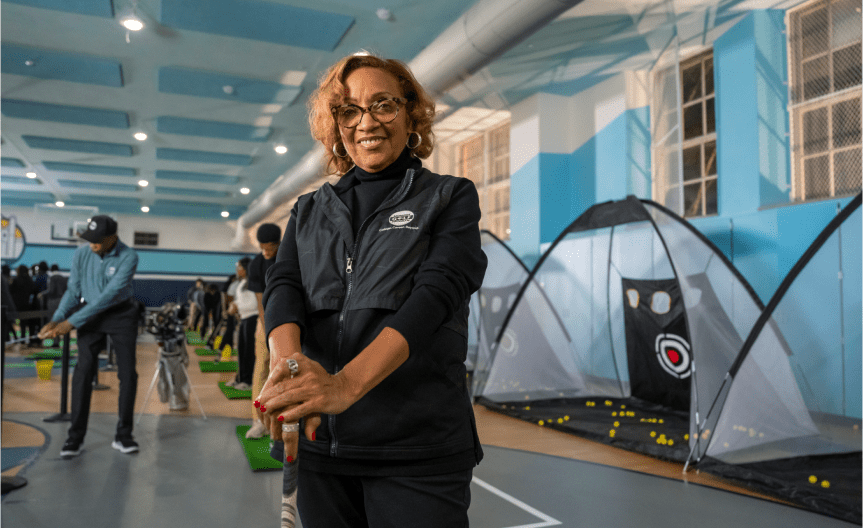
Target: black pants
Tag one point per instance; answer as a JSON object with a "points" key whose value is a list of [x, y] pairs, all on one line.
{"points": [[336, 501], [246, 350], [121, 323], [228, 336]]}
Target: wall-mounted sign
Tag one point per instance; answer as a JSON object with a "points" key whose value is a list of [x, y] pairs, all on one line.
{"points": [[13, 241]]}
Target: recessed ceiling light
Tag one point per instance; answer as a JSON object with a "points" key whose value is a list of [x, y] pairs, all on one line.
{"points": [[140, 136], [228, 89], [225, 214], [244, 190], [384, 14], [143, 183], [145, 209], [280, 149], [31, 175], [132, 23], [29, 62], [58, 203]]}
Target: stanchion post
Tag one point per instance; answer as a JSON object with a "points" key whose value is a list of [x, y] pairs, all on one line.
{"points": [[10, 483], [63, 416]]}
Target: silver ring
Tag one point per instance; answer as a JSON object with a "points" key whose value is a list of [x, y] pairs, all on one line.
{"points": [[294, 367], [290, 428]]}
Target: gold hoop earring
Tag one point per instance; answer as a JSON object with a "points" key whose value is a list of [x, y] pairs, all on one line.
{"points": [[419, 140], [335, 152]]}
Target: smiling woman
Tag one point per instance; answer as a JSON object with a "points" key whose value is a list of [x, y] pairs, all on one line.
{"points": [[375, 273]]}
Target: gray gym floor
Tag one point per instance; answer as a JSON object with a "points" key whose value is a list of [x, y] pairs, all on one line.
{"points": [[191, 473]]}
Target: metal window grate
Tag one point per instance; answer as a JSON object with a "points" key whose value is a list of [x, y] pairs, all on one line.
{"points": [[824, 41]]}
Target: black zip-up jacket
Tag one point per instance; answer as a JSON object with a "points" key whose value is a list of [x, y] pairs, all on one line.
{"points": [[412, 266]]}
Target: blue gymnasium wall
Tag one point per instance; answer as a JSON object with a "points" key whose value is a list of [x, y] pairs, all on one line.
{"points": [[178, 269], [757, 227]]}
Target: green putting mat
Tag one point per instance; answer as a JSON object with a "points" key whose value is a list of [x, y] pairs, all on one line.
{"points": [[257, 451], [222, 366], [234, 394], [211, 352], [50, 353], [52, 341], [196, 340]]}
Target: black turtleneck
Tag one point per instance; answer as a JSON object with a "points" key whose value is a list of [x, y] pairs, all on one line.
{"points": [[365, 191]]}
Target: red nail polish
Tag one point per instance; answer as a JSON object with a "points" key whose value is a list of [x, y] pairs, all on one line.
{"points": [[281, 418], [313, 436], [257, 403], [263, 409], [290, 458]]}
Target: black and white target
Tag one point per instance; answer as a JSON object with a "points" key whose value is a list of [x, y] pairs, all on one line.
{"points": [[673, 354]]}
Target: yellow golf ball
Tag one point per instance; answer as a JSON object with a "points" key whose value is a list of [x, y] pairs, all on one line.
{"points": [[813, 479], [652, 434], [825, 484]]}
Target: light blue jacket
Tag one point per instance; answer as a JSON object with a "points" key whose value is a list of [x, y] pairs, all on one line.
{"points": [[101, 282]]}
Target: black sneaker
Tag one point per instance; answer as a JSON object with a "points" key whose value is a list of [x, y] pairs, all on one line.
{"points": [[71, 449], [125, 445]]}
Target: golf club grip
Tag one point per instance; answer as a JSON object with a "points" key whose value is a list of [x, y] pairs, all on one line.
{"points": [[290, 473]]}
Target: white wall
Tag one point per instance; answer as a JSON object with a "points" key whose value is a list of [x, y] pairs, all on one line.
{"points": [[174, 233]]}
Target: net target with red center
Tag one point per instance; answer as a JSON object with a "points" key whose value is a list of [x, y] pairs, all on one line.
{"points": [[672, 351]]}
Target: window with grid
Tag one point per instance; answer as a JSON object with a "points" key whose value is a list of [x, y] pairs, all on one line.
{"points": [[824, 40], [685, 175], [699, 136], [484, 159]]}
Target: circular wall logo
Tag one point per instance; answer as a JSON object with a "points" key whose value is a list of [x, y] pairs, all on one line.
{"points": [[672, 351], [401, 218]]}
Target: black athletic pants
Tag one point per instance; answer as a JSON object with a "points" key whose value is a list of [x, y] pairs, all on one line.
{"points": [[246, 350], [121, 323], [336, 501]]}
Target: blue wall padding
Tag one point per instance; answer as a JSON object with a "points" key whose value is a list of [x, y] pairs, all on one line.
{"points": [[72, 67]]}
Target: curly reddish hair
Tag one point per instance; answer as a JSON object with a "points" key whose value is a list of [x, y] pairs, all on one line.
{"points": [[330, 93]]}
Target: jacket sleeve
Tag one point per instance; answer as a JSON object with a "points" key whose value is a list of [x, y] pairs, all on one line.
{"points": [[453, 269], [283, 296], [72, 297]]}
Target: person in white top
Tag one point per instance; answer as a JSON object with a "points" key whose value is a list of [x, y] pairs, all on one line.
{"points": [[246, 305]]}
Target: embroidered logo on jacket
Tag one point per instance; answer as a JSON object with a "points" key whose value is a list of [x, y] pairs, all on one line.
{"points": [[400, 220]]}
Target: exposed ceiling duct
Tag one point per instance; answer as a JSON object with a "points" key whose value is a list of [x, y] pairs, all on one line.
{"points": [[483, 33]]}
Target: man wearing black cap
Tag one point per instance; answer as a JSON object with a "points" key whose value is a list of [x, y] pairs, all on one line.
{"points": [[99, 302], [269, 236]]}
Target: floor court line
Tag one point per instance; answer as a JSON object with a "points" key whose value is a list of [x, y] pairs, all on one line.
{"points": [[547, 520]]}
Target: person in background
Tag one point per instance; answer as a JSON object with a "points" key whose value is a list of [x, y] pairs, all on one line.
{"points": [[366, 314], [212, 308], [23, 291], [268, 236], [194, 312], [56, 288], [101, 275], [11, 312], [229, 292], [245, 304]]}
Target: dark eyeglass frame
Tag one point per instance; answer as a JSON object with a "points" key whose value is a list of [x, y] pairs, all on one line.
{"points": [[398, 100]]}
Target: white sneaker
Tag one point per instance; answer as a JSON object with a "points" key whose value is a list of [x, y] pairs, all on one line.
{"points": [[257, 430], [232, 383], [243, 386]]}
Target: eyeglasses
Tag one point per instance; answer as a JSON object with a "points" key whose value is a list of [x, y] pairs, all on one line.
{"points": [[383, 111]]}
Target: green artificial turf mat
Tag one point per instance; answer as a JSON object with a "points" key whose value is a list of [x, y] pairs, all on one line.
{"points": [[211, 352], [234, 394], [257, 451], [222, 366], [50, 353], [196, 340], [56, 341]]}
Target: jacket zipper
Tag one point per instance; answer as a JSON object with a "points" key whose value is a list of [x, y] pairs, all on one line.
{"points": [[349, 272]]}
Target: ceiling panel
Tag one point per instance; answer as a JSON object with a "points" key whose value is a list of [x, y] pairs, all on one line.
{"points": [[186, 81], [267, 21], [77, 145], [197, 177], [213, 129], [78, 115], [102, 8], [201, 156], [98, 186], [61, 66], [108, 170]]}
